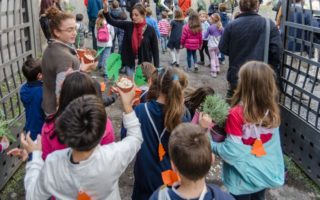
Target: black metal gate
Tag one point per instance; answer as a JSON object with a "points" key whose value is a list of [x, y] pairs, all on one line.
{"points": [[17, 42], [300, 100]]}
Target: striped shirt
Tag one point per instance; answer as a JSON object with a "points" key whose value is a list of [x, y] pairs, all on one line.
{"points": [[164, 27]]}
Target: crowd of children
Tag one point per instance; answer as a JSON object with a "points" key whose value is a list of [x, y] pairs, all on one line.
{"points": [[72, 151]]}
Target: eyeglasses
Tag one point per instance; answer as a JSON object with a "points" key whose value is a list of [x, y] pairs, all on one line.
{"points": [[69, 30]]}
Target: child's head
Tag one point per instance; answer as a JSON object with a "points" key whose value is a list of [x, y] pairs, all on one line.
{"points": [[164, 14], [190, 11], [75, 85], [257, 91], [197, 97], [115, 4], [178, 14], [190, 151], [100, 14], [81, 125], [216, 19], [123, 15], [148, 11], [79, 17], [170, 83], [100, 19], [222, 7], [249, 5], [203, 16], [148, 70], [194, 23], [31, 69]]}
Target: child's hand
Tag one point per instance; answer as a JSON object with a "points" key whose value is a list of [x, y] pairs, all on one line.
{"points": [[127, 99], [4, 143], [19, 153], [30, 145], [205, 120]]}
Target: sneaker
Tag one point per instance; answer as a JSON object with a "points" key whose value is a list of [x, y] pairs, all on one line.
{"points": [[187, 69], [177, 65], [173, 63], [196, 69], [200, 63], [214, 74]]}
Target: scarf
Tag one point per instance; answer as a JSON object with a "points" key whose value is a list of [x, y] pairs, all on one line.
{"points": [[137, 36]]}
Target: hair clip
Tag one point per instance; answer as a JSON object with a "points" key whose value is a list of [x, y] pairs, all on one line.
{"points": [[175, 77]]}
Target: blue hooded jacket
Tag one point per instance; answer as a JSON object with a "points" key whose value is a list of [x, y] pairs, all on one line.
{"points": [[93, 8], [31, 97]]}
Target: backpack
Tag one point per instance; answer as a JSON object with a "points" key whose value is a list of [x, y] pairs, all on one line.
{"points": [[103, 34]]}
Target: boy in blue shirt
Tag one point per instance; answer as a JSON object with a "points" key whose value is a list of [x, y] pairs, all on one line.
{"points": [[31, 97], [191, 158]]}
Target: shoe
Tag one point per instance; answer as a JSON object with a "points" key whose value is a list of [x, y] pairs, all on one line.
{"points": [[187, 69], [209, 65], [214, 74], [196, 69], [177, 65], [173, 63], [200, 63]]}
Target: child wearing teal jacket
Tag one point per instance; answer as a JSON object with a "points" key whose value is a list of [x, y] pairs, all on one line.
{"points": [[252, 154]]}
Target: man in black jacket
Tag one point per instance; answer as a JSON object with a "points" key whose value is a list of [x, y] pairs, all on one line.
{"points": [[244, 40]]}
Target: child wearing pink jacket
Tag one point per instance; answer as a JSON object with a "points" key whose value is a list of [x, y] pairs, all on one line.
{"points": [[75, 85], [191, 39]]}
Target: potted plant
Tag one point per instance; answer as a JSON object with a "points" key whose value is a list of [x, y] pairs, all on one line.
{"points": [[218, 109]]}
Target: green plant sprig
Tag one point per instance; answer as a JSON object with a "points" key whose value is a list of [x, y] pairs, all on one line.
{"points": [[4, 128]]}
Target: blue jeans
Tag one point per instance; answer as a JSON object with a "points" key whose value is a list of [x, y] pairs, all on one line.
{"points": [[129, 71], [119, 33], [164, 42], [103, 59], [191, 54], [92, 24]]}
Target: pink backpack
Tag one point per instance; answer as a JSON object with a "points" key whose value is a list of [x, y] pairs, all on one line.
{"points": [[103, 34]]}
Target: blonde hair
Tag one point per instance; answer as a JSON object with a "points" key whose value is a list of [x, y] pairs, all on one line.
{"points": [[178, 14], [257, 91], [170, 82], [195, 23], [148, 11], [100, 19], [215, 19]]}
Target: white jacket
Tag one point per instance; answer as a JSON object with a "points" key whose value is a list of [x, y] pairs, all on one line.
{"points": [[111, 33], [98, 176]]}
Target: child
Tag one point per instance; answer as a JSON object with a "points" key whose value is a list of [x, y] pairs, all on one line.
{"points": [[85, 170], [81, 31], [148, 70], [164, 28], [252, 143], [214, 34], [204, 25], [31, 97], [224, 20], [117, 13], [151, 21], [101, 24], [191, 39], [191, 159], [159, 116], [194, 100], [75, 85], [175, 36]]}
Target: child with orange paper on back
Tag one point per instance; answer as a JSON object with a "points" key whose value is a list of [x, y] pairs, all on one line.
{"points": [[252, 150], [191, 159]]}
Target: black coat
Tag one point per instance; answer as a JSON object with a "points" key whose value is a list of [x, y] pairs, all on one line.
{"points": [[243, 40], [148, 50]]}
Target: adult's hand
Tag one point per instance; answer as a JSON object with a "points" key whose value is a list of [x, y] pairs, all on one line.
{"points": [[105, 6], [88, 67]]}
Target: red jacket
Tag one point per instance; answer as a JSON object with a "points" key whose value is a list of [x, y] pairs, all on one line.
{"points": [[189, 39], [86, 2], [184, 5]]}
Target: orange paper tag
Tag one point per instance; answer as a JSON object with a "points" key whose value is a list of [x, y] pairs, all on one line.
{"points": [[169, 177], [102, 86], [161, 152], [83, 196], [258, 149]]}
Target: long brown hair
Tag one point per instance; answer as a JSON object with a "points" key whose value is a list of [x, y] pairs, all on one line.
{"points": [[170, 82], [100, 19], [56, 17], [257, 91], [197, 97], [216, 19], [194, 23]]}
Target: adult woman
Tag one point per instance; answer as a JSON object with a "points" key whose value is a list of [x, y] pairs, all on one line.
{"points": [[60, 57], [139, 41], [43, 19], [244, 39]]}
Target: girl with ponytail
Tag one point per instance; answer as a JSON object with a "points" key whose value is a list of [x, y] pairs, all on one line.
{"points": [[158, 118]]}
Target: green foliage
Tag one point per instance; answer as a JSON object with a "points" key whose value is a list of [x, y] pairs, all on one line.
{"points": [[217, 108], [113, 66], [4, 128], [139, 79]]}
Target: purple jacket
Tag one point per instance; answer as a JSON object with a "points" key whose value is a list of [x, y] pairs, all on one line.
{"points": [[189, 39], [214, 31]]}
